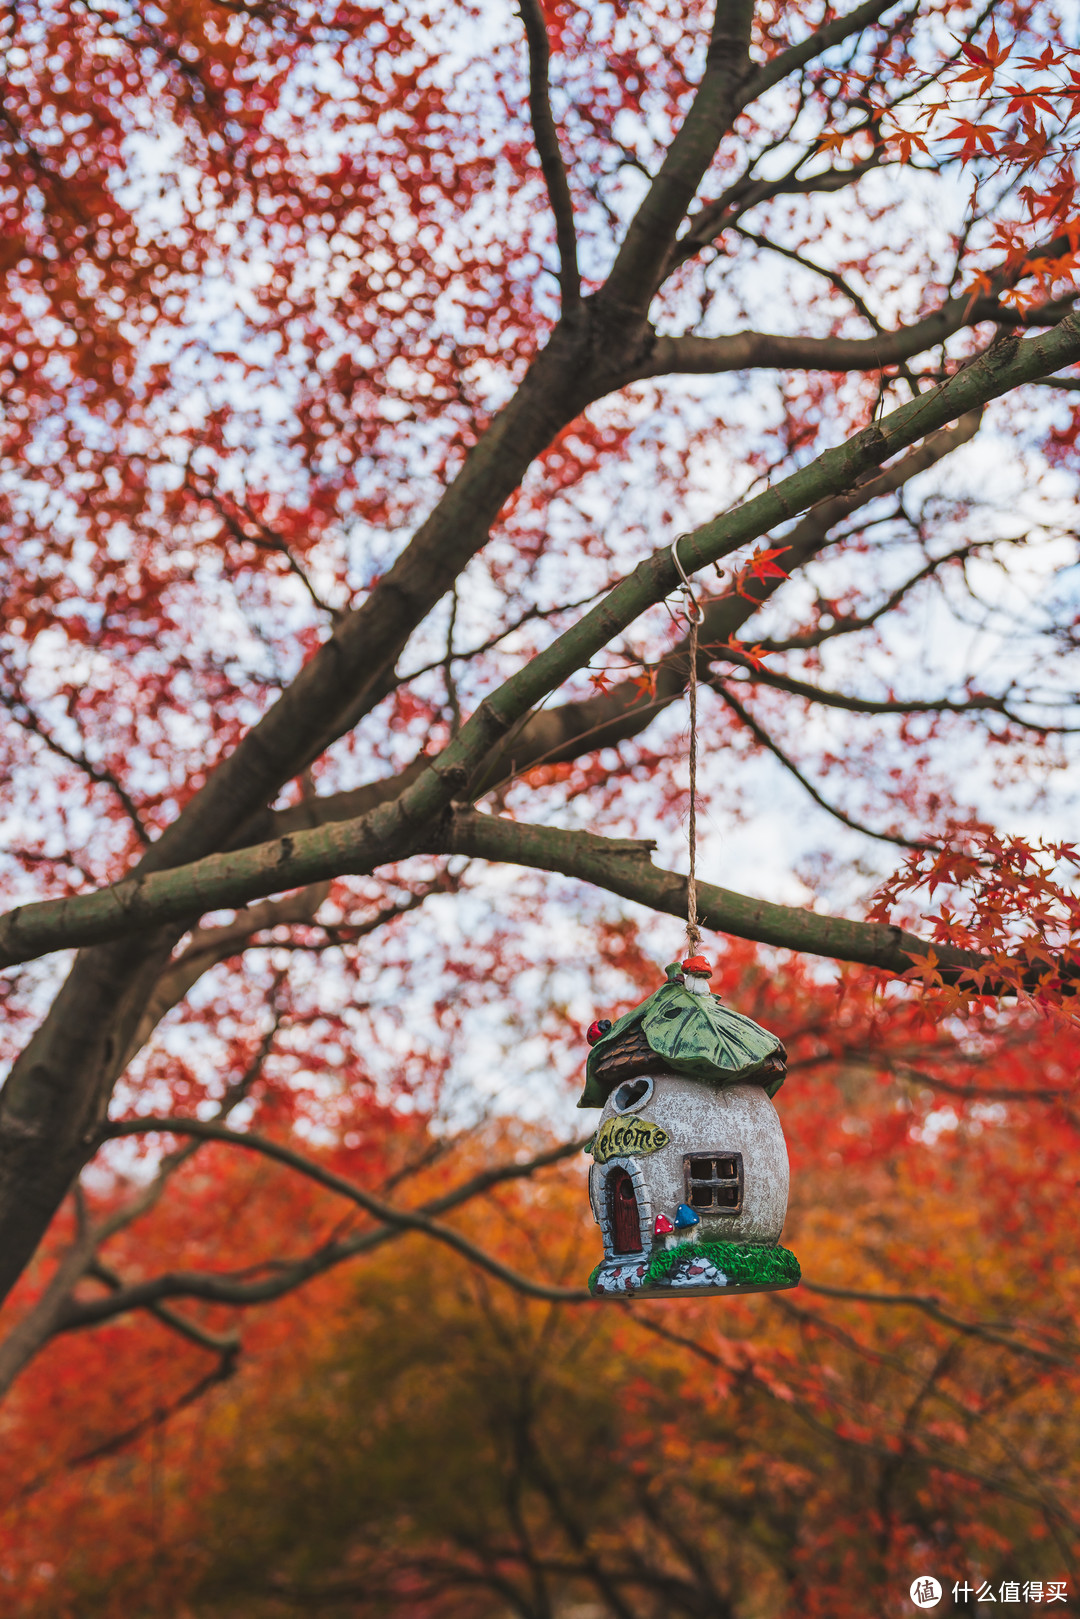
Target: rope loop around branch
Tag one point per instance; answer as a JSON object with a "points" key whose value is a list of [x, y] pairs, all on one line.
{"points": [[694, 610]]}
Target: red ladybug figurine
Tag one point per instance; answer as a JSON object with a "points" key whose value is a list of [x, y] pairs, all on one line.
{"points": [[596, 1031]]}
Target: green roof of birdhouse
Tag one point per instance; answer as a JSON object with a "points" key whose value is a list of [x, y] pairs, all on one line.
{"points": [[693, 1035]]}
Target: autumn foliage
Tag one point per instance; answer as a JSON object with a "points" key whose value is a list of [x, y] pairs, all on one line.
{"points": [[415, 1436], [359, 366]]}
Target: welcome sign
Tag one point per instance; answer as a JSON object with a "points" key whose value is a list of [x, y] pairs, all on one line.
{"points": [[627, 1138]]}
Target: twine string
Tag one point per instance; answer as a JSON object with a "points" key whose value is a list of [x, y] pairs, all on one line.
{"points": [[695, 616]]}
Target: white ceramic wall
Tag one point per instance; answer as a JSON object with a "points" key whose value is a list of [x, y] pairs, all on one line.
{"points": [[701, 1119]]}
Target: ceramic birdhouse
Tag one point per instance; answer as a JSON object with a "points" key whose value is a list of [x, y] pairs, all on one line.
{"points": [[689, 1181]]}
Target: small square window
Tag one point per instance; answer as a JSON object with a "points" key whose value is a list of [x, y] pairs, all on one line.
{"points": [[714, 1181]]}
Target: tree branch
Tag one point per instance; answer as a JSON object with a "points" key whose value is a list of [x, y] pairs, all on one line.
{"points": [[160, 1414], [625, 869], [24, 716], [746, 351], [747, 192], [931, 1306], [751, 351], [703, 226], [397, 829], [547, 147], [814, 45], [852, 626], [978, 702], [931, 1458], [766, 741], [642, 258], [38, 1325], [58, 1090], [569, 730], [1055, 1095], [225, 1289], [226, 1344]]}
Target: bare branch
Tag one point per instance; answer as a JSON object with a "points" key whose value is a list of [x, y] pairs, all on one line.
{"points": [[975, 703], [222, 1288], [547, 147], [762, 736], [833, 277], [813, 46], [40, 1322], [1057, 1096], [931, 1306], [934, 1456], [154, 1419], [852, 626], [28, 721], [569, 730], [219, 1343], [746, 193], [264, 538]]}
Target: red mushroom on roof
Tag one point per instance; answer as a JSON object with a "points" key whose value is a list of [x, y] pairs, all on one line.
{"points": [[696, 974]]}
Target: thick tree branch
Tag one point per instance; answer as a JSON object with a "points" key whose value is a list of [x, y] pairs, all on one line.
{"points": [[752, 351], [398, 828], [746, 351], [547, 147], [38, 1325], [642, 258], [747, 192], [58, 1090], [626, 870]]}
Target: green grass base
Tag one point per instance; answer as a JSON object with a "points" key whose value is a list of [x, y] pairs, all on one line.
{"points": [[744, 1265]]}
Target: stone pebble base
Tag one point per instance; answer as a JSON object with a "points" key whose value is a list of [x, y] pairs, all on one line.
{"points": [[615, 1277]]}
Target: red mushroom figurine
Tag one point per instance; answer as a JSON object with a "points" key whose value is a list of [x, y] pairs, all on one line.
{"points": [[696, 974]]}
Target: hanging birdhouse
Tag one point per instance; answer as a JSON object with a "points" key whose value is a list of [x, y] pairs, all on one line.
{"points": [[689, 1182]]}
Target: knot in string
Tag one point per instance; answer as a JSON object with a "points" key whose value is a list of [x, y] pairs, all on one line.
{"points": [[695, 617]]}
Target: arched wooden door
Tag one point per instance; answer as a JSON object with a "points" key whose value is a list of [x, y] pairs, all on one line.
{"points": [[623, 1213]]}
